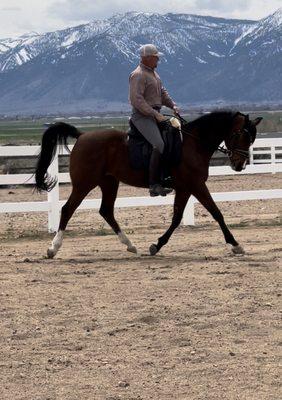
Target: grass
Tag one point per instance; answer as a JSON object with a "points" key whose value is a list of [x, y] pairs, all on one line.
{"points": [[30, 132], [26, 131]]}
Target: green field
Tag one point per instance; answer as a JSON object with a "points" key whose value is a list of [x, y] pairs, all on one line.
{"points": [[30, 131]]}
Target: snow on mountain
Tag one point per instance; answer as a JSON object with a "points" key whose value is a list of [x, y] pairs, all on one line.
{"points": [[204, 58], [275, 19], [171, 32], [33, 44], [265, 36]]}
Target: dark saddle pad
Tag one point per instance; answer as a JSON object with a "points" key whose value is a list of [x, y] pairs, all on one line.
{"points": [[140, 149]]}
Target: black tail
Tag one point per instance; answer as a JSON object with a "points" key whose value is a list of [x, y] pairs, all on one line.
{"points": [[56, 134]]}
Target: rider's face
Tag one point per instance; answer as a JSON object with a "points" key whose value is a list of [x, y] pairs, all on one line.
{"points": [[150, 61]]}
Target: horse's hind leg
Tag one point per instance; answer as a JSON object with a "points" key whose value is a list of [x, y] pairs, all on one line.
{"points": [[76, 197], [109, 189]]}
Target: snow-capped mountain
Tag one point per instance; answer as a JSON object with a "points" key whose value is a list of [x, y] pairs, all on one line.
{"points": [[87, 67], [171, 32]]}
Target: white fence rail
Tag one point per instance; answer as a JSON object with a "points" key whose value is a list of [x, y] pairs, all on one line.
{"points": [[271, 148], [266, 151]]}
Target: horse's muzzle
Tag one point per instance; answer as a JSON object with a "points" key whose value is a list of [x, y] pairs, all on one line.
{"points": [[239, 166]]}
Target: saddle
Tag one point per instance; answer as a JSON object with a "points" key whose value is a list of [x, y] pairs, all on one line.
{"points": [[140, 149]]}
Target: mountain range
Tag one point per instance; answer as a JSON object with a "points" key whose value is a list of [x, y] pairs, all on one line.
{"points": [[85, 68]]}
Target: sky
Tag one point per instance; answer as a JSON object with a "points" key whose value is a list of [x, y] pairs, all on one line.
{"points": [[22, 16]]}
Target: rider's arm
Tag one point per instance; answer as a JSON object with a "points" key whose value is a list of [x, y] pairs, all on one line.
{"points": [[136, 95], [166, 99]]}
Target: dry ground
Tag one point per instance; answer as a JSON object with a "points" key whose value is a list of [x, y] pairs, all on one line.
{"points": [[193, 322]]}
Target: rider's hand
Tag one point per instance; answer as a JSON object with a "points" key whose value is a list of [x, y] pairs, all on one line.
{"points": [[160, 117], [176, 110]]}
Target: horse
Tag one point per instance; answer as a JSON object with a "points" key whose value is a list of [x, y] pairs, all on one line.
{"points": [[101, 159]]}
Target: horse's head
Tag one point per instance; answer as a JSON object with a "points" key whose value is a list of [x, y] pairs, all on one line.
{"points": [[242, 136]]}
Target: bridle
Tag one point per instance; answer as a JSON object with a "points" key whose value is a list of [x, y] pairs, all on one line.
{"points": [[222, 149], [230, 152]]}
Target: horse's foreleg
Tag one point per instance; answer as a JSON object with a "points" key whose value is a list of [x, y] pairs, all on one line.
{"points": [[109, 189], [203, 195], [68, 209], [178, 209]]}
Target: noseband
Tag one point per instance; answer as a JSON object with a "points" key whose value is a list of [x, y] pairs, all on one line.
{"points": [[230, 152]]}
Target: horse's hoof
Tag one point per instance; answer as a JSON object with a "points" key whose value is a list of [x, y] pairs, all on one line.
{"points": [[238, 250], [153, 249], [50, 253], [132, 249]]}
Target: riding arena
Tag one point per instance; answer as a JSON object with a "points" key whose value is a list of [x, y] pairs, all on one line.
{"points": [[195, 319]]}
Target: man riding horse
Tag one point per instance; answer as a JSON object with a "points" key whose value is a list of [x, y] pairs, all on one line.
{"points": [[147, 95], [102, 158]]}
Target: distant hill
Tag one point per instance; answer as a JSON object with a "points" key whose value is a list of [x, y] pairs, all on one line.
{"points": [[86, 68]]}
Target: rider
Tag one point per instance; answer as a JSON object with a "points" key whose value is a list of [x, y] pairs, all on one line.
{"points": [[147, 95]]}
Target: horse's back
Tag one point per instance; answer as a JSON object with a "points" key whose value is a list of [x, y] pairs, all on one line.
{"points": [[95, 152], [92, 142], [101, 137]]}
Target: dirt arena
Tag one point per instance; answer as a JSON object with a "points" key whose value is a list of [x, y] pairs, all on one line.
{"points": [[98, 323]]}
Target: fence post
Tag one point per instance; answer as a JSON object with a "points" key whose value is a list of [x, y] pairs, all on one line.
{"points": [[252, 155], [273, 159], [189, 212], [54, 197]]}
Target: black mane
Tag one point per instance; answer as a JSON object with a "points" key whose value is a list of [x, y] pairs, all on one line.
{"points": [[212, 128]]}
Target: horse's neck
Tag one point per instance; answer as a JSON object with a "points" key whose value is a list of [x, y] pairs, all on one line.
{"points": [[195, 143], [214, 140], [194, 152]]}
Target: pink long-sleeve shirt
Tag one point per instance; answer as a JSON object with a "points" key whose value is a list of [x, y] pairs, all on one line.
{"points": [[146, 91]]}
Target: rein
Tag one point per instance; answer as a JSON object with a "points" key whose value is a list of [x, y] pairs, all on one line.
{"points": [[222, 149], [243, 153], [184, 121]]}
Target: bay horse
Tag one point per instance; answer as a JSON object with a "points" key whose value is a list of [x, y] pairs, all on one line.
{"points": [[102, 159]]}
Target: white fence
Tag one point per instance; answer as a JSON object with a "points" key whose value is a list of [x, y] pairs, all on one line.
{"points": [[270, 149]]}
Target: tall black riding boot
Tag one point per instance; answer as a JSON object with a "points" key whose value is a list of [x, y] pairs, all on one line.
{"points": [[155, 188]]}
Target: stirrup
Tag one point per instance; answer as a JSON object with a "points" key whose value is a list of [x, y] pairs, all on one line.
{"points": [[158, 190]]}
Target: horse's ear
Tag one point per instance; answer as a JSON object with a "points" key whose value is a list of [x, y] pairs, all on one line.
{"points": [[239, 120], [257, 120]]}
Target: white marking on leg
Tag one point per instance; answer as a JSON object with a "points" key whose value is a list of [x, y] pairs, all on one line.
{"points": [[124, 239], [56, 244]]}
